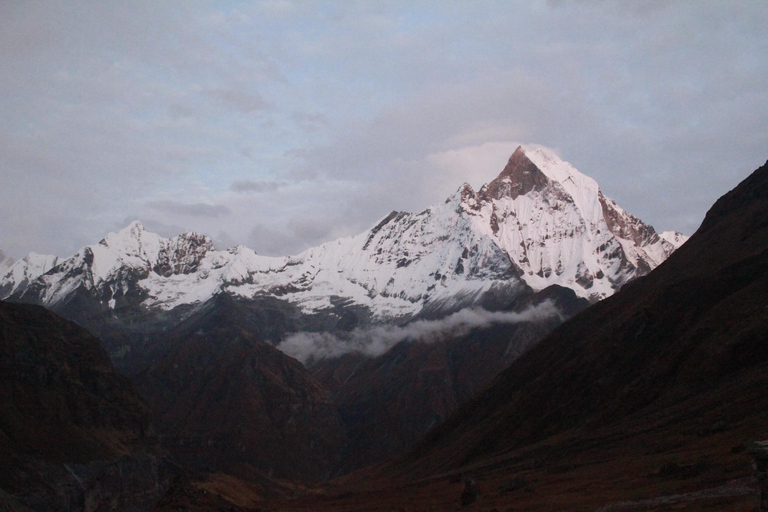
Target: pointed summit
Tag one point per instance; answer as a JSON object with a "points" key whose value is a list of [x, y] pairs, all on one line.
{"points": [[133, 240], [518, 154], [519, 177], [17, 275], [133, 230]]}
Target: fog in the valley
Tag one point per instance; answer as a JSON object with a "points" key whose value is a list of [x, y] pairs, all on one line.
{"points": [[376, 340]]}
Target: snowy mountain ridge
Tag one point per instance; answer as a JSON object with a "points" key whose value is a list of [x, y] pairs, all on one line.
{"points": [[539, 223]]}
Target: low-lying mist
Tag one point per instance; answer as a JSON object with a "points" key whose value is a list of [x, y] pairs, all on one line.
{"points": [[374, 341]]}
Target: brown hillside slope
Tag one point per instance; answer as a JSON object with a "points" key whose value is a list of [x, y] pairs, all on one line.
{"points": [[228, 402], [72, 429]]}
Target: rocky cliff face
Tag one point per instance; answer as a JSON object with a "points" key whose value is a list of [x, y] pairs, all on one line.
{"points": [[74, 434]]}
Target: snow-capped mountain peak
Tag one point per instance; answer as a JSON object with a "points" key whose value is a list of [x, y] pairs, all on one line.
{"points": [[581, 188], [558, 228], [144, 251], [535, 168], [132, 246], [18, 275]]}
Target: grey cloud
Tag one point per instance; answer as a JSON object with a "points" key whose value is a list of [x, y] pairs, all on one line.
{"points": [[374, 341], [310, 121], [223, 240], [273, 242], [296, 216], [194, 209], [177, 111], [283, 237], [388, 156], [100, 116], [243, 101], [256, 186], [317, 227], [634, 104]]}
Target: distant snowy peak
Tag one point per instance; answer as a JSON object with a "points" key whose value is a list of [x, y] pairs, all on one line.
{"points": [[18, 275], [114, 267], [136, 248]]}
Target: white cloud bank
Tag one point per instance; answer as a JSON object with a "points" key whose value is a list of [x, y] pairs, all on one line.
{"points": [[375, 341]]}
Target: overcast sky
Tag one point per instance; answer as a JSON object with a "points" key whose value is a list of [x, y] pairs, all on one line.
{"points": [[281, 125]]}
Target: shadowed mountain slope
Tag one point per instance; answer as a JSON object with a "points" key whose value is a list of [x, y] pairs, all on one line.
{"points": [[227, 401], [72, 430], [193, 325], [653, 392], [388, 403]]}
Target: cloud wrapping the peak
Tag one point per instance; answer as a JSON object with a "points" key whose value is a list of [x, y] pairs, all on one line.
{"points": [[375, 341]]}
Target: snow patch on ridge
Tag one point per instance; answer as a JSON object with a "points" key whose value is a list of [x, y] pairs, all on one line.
{"points": [[674, 238]]}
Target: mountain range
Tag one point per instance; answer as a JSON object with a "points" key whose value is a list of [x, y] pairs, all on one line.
{"points": [[540, 222], [396, 327]]}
